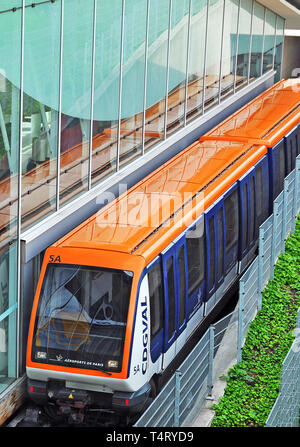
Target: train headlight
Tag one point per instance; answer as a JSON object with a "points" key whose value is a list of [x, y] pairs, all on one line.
{"points": [[112, 364]]}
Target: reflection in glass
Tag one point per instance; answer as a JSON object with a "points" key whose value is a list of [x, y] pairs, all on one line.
{"points": [[156, 71], [244, 42], [40, 111], [229, 47], [76, 97], [10, 58], [133, 78], [8, 328], [106, 88], [269, 41], [257, 41], [177, 64], [213, 56], [279, 47], [196, 57]]}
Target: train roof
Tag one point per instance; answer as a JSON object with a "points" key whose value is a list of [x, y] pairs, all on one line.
{"points": [[146, 218]]}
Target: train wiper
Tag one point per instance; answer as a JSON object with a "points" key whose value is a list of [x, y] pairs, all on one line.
{"points": [[105, 372]]}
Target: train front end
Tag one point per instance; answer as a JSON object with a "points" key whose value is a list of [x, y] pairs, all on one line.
{"points": [[81, 335]]}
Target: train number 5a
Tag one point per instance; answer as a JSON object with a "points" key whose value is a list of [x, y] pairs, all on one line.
{"points": [[54, 259]]}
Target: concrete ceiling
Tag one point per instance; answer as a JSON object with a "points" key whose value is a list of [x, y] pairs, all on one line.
{"points": [[289, 9]]}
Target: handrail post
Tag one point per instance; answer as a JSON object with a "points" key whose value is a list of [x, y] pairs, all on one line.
{"points": [[240, 322], [274, 228], [260, 267], [296, 193], [210, 363], [177, 398], [285, 200]]}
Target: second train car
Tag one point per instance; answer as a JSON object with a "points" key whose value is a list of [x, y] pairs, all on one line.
{"points": [[120, 295]]}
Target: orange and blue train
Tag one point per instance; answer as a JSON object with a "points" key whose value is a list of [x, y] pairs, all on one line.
{"points": [[119, 297]]}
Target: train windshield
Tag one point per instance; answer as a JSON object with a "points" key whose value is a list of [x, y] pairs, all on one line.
{"points": [[81, 317]]}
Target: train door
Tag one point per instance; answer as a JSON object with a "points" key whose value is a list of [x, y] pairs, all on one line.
{"points": [[215, 245], [156, 295], [175, 285], [248, 227], [291, 150]]}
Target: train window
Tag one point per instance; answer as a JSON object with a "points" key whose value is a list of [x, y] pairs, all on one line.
{"points": [[211, 279], [82, 315], [220, 244], [196, 257], [245, 217], [259, 193], [231, 205], [251, 210], [297, 142], [156, 298], [171, 297], [182, 285]]}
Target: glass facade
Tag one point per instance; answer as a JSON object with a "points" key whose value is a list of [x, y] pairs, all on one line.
{"points": [[88, 86]]}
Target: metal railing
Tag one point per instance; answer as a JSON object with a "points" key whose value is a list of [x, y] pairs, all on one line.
{"points": [[192, 383], [286, 410]]}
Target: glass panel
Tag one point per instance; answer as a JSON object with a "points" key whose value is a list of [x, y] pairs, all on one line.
{"points": [[106, 89], [252, 214], [257, 41], [269, 41], [231, 219], [245, 217], [196, 257], [213, 56], [156, 71], [76, 97], [279, 47], [133, 78], [8, 321], [259, 194], [171, 297], [10, 58], [244, 42], [40, 111], [211, 253], [177, 64], [156, 299], [282, 168], [196, 58], [220, 243], [78, 326], [229, 47], [182, 285]]}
